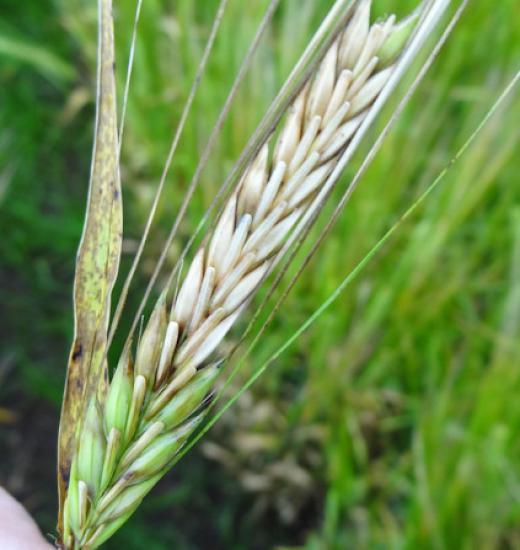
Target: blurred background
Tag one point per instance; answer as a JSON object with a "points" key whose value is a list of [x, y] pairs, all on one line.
{"points": [[392, 422]]}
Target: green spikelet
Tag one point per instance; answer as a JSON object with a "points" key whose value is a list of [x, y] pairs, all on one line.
{"points": [[119, 395], [188, 399], [397, 39], [149, 348], [159, 454], [91, 453]]}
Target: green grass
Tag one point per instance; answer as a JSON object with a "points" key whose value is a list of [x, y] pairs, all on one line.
{"points": [[399, 407]]}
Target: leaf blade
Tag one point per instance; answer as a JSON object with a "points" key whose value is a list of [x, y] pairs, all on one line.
{"points": [[97, 261]]}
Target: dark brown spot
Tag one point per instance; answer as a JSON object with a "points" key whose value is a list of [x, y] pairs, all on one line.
{"points": [[65, 472], [116, 194], [78, 351], [128, 476]]}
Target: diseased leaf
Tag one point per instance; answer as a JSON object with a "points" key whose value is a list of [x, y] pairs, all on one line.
{"points": [[97, 261]]}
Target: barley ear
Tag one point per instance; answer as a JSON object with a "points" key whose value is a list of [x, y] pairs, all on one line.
{"points": [[138, 428]]}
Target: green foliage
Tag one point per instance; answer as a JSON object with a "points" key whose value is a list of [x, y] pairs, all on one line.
{"points": [[41, 202], [411, 379]]}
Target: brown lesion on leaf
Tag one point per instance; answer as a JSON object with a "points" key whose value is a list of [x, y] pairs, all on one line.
{"points": [[65, 471], [77, 352]]}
